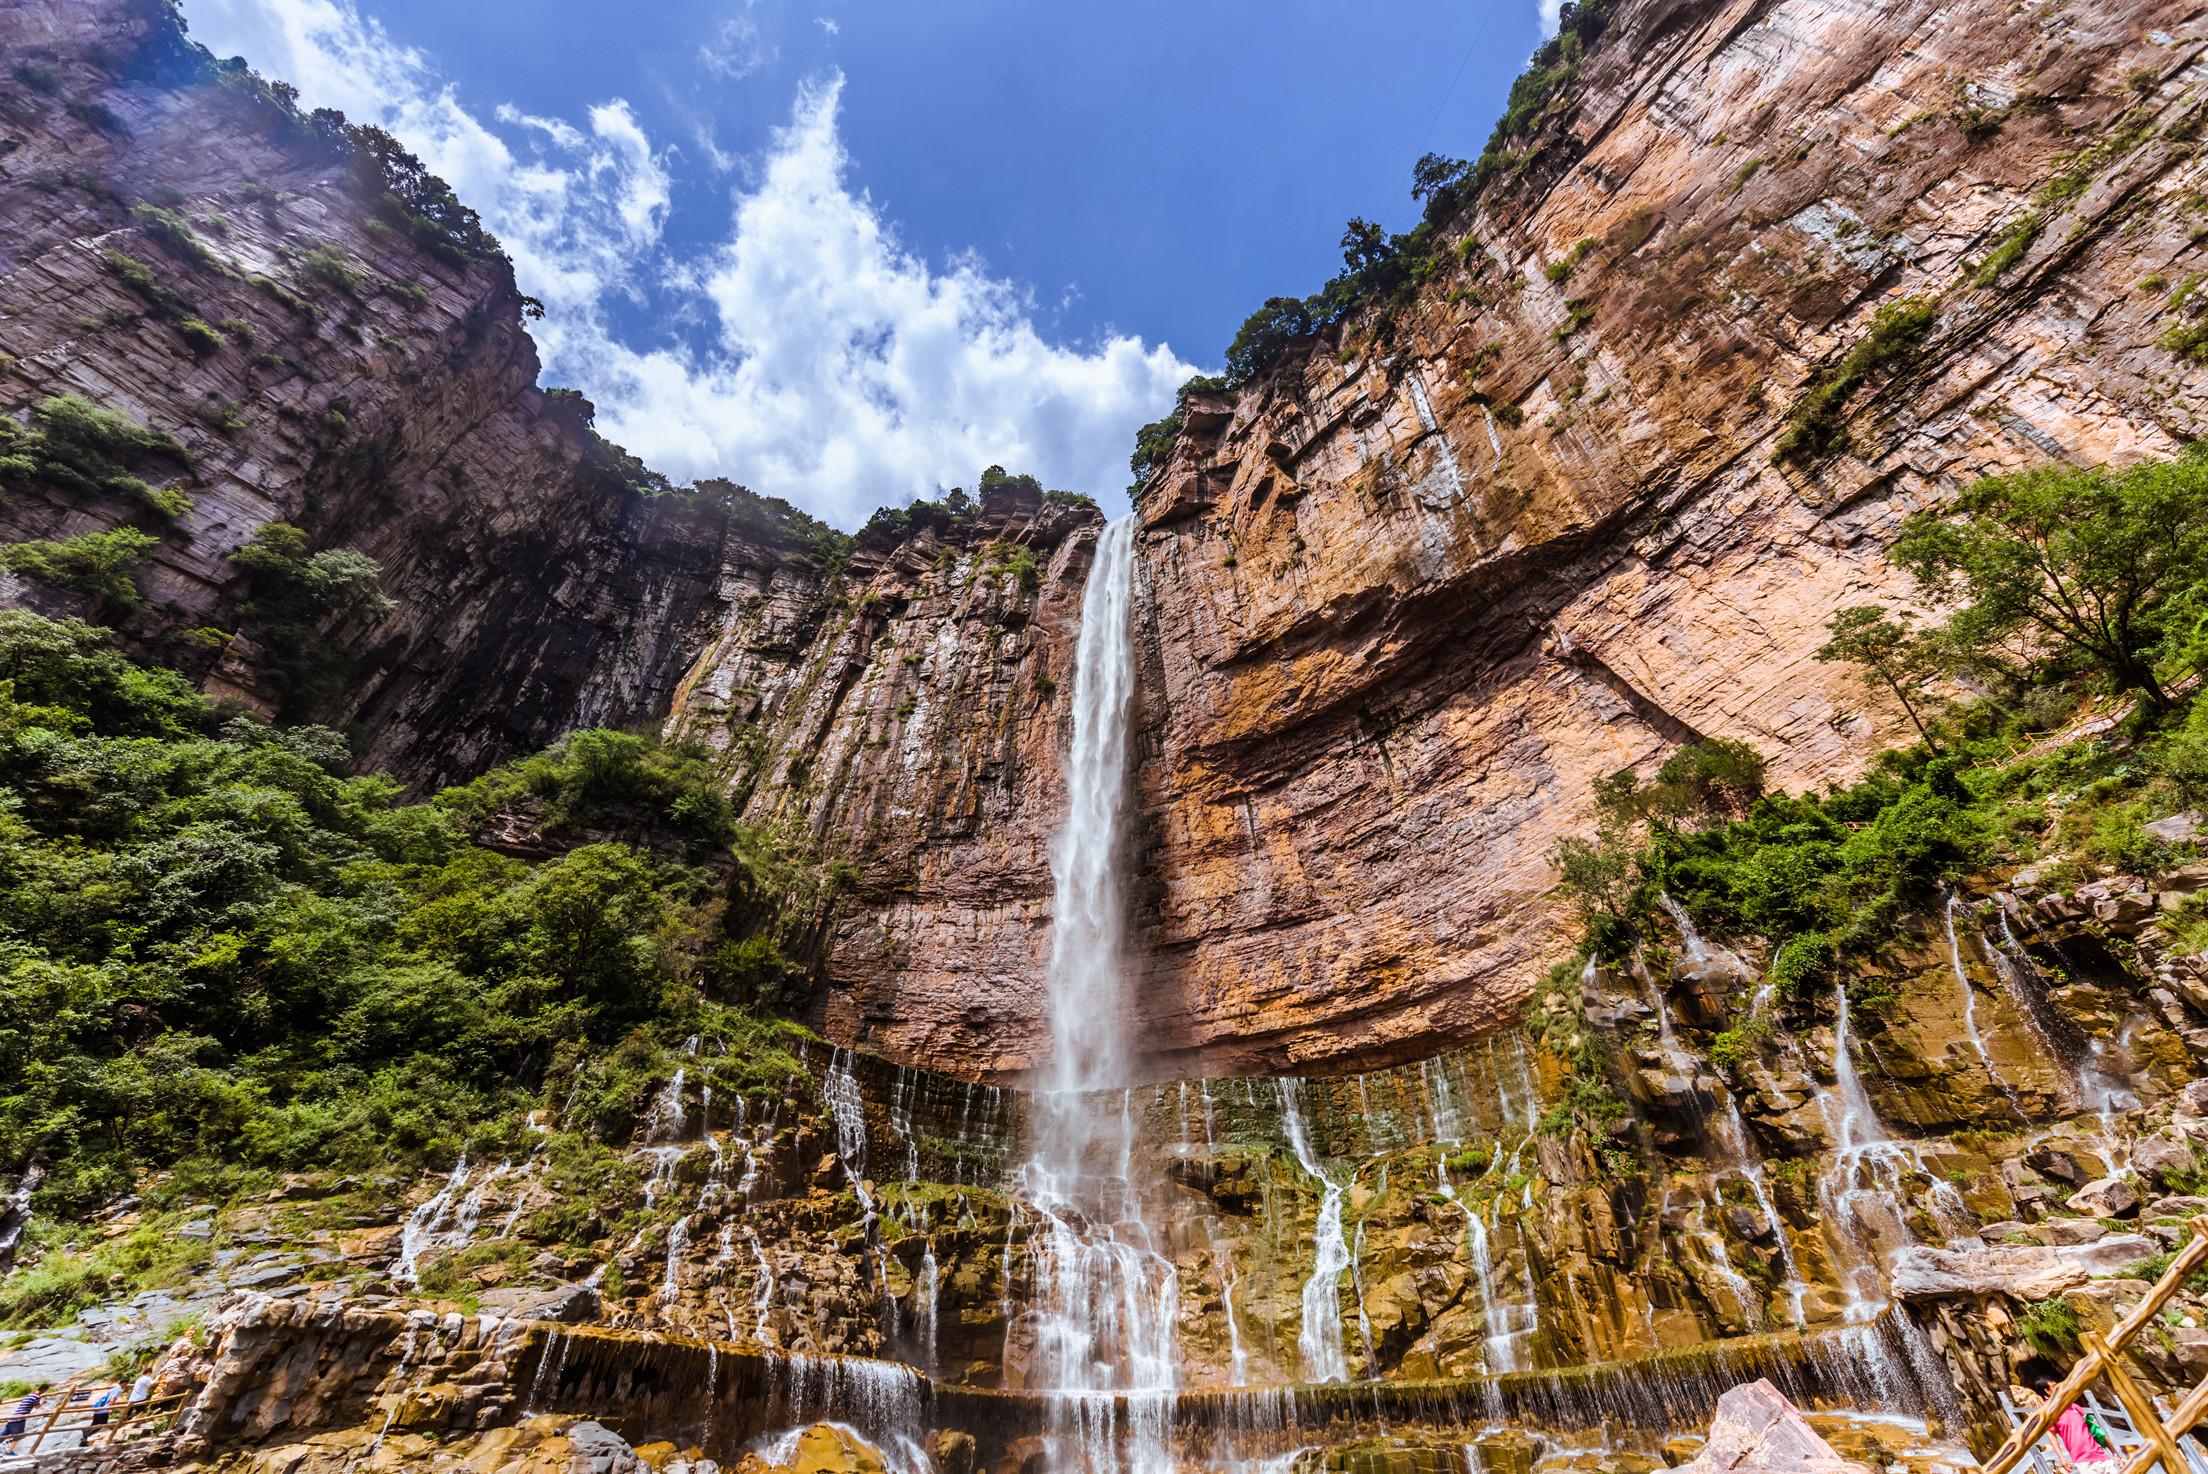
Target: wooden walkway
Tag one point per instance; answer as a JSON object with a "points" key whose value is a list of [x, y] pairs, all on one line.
{"points": [[2158, 1435]]}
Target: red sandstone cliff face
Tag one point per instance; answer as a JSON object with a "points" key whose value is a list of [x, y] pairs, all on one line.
{"points": [[399, 417], [910, 713], [1414, 591], [1408, 596]]}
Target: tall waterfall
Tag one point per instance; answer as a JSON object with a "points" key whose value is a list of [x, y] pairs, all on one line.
{"points": [[1106, 1300]]}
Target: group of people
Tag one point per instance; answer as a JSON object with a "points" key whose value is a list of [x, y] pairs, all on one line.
{"points": [[87, 1411]]}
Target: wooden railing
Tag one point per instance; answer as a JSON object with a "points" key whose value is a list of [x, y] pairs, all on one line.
{"points": [[70, 1425], [2105, 1358]]}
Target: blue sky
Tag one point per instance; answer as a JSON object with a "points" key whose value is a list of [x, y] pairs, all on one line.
{"points": [[850, 251]]}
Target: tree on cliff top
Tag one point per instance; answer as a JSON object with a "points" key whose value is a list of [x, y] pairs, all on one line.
{"points": [[2103, 570]]}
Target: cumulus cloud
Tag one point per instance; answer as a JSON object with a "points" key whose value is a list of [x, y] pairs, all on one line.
{"points": [[826, 361], [1552, 17]]}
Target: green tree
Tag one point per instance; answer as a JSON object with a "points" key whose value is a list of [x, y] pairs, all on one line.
{"points": [[2093, 564], [99, 565], [1714, 779], [1889, 653]]}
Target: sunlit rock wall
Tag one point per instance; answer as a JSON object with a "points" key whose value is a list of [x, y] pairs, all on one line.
{"points": [[1416, 590]]}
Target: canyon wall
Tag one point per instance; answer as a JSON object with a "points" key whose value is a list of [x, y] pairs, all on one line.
{"points": [[1408, 594], [1419, 586], [1413, 591], [376, 390]]}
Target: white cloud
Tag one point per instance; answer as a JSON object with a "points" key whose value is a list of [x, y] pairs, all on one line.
{"points": [[737, 49], [1552, 17], [831, 364], [828, 24]]}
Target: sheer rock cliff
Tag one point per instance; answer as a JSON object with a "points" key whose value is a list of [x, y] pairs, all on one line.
{"points": [[1418, 587], [1407, 594], [380, 394]]}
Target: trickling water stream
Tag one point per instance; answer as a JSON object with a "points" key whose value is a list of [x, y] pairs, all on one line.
{"points": [[1321, 1339]]}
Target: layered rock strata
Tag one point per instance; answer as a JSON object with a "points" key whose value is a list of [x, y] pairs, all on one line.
{"points": [[342, 377], [1422, 584]]}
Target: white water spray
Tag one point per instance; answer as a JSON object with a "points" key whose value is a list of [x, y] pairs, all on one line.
{"points": [[1321, 1339], [1106, 1299]]}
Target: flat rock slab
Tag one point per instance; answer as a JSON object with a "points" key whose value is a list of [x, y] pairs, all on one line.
{"points": [[51, 1359], [2023, 1271]]}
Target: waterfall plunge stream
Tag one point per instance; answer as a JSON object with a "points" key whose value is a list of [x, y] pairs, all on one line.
{"points": [[1106, 1300]]}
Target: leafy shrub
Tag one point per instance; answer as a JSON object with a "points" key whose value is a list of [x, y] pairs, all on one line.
{"points": [[1805, 966], [329, 266], [2050, 1326], [82, 448], [201, 337], [139, 277], [1154, 441], [1016, 559], [98, 565], [175, 233]]}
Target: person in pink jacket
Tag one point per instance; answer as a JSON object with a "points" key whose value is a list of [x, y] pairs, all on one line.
{"points": [[2076, 1436]]}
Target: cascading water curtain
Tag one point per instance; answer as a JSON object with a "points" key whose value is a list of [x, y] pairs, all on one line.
{"points": [[1106, 1300]]}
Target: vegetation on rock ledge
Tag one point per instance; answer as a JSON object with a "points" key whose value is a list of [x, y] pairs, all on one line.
{"points": [[2063, 583]]}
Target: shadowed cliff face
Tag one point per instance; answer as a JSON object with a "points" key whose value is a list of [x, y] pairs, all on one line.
{"points": [[1419, 587], [395, 412]]}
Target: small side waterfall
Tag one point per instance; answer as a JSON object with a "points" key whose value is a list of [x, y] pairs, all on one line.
{"points": [[1321, 1340], [1970, 1008], [1106, 1298]]}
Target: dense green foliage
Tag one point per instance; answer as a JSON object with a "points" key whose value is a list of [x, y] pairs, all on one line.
{"points": [[293, 592], [99, 565], [76, 446], [2087, 569], [2060, 580], [219, 951]]}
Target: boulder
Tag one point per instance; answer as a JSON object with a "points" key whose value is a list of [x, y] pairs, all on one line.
{"points": [[2023, 1272], [568, 1304], [2108, 1197], [2154, 1157], [593, 1448], [954, 1452], [826, 1448], [2061, 1231], [2111, 1255], [2121, 903], [1758, 1430], [2176, 829], [2050, 1161]]}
